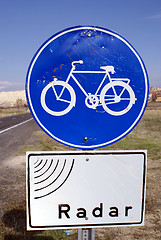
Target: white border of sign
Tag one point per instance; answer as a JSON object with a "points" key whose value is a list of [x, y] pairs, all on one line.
{"points": [[85, 154], [142, 66]]}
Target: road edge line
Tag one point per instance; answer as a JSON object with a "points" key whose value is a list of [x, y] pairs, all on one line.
{"points": [[7, 129]]}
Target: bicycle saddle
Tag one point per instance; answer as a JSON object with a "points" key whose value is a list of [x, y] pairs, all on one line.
{"points": [[108, 69]]}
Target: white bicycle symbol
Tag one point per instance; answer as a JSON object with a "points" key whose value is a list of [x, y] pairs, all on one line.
{"points": [[109, 95]]}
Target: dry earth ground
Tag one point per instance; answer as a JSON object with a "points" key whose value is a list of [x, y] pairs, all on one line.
{"points": [[147, 135]]}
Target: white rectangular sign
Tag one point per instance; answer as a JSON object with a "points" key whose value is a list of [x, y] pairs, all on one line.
{"points": [[85, 189]]}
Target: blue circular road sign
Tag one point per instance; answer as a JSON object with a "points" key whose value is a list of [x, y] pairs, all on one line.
{"points": [[87, 87]]}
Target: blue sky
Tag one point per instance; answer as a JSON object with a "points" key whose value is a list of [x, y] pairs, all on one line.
{"points": [[26, 25]]}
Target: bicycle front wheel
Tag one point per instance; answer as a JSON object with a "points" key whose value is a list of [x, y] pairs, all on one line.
{"points": [[58, 98], [117, 98]]}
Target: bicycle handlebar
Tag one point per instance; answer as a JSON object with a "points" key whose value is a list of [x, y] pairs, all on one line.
{"points": [[74, 62], [81, 61]]}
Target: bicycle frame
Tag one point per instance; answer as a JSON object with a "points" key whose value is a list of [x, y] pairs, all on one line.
{"points": [[77, 82], [97, 72]]}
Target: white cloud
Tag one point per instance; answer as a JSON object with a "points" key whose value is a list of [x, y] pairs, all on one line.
{"points": [[157, 16], [6, 83], [1, 88], [10, 86]]}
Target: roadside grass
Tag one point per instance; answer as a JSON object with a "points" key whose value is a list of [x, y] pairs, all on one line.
{"points": [[40, 141], [6, 112], [13, 226], [146, 136], [152, 146]]}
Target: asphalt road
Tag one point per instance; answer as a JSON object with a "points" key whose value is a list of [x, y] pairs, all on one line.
{"points": [[15, 131], [7, 122]]}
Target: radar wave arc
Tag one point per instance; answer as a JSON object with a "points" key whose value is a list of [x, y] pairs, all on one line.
{"points": [[49, 175]]}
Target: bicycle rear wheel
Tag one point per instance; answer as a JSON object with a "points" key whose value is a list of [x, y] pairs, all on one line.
{"points": [[117, 98]]}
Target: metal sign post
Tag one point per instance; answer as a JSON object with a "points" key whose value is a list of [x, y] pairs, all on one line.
{"points": [[86, 234]]}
